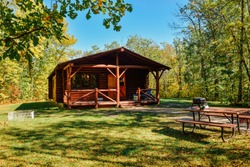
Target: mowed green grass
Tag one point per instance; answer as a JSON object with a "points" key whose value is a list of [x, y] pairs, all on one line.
{"points": [[138, 136]]}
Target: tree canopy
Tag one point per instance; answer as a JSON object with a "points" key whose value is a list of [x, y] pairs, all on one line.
{"points": [[210, 59], [216, 49], [24, 23]]}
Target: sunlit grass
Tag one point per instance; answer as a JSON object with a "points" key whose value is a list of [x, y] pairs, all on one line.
{"points": [[142, 136]]}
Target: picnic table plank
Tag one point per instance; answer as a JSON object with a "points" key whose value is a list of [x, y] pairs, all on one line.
{"points": [[215, 124]]}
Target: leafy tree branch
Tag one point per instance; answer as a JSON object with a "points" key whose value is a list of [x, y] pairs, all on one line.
{"points": [[23, 23]]}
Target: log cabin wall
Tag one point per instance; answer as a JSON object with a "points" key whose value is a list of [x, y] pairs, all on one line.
{"points": [[101, 82], [135, 78], [50, 88], [100, 73], [59, 86], [64, 80]]}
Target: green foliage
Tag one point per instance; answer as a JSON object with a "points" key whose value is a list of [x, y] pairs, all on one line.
{"points": [[112, 45], [216, 49], [22, 25], [9, 81], [25, 23], [212, 59], [27, 81]]}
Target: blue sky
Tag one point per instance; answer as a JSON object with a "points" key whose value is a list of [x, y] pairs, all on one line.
{"points": [[149, 19]]}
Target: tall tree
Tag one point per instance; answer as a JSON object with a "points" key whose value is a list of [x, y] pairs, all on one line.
{"points": [[112, 45], [24, 23], [22, 80], [179, 61], [217, 34], [9, 81]]}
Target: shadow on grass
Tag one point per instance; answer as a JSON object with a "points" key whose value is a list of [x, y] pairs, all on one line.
{"points": [[90, 141], [48, 108], [99, 139], [110, 137], [43, 109], [178, 134], [61, 139], [36, 106]]}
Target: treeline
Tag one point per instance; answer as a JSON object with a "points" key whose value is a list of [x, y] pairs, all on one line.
{"points": [[211, 59], [22, 81], [213, 56], [30, 32], [26, 80]]}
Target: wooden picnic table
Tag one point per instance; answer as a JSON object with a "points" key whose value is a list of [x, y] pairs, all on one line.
{"points": [[229, 113]]}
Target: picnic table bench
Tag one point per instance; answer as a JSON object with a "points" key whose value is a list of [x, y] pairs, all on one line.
{"points": [[215, 124], [243, 116], [229, 113]]}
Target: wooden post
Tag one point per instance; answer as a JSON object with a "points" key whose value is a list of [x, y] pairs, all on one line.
{"points": [[96, 98], [157, 78], [54, 88], [139, 95], [69, 70], [63, 86], [117, 82]]}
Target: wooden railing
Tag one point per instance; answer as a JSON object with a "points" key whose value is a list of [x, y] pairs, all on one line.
{"points": [[88, 96], [145, 94], [96, 97]]}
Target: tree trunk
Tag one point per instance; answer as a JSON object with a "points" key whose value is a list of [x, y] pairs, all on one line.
{"points": [[241, 52]]}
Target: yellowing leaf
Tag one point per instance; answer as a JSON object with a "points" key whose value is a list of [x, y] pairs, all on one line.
{"points": [[100, 3]]}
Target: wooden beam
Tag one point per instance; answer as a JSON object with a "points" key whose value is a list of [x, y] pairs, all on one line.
{"points": [[96, 98], [90, 90], [96, 66], [134, 67], [63, 86], [76, 72], [117, 81], [122, 73], [113, 66], [69, 70], [111, 72], [69, 65], [153, 74], [54, 89], [161, 73], [85, 95], [139, 94], [157, 87], [107, 97]]}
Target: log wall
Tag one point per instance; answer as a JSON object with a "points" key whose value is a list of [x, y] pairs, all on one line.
{"points": [[135, 78]]}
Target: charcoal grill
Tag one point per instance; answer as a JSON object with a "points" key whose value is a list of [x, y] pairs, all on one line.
{"points": [[199, 101]]}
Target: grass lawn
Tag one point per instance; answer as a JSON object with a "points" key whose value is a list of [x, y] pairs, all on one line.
{"points": [[138, 136]]}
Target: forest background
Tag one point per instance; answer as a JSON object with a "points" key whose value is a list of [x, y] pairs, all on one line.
{"points": [[211, 59]]}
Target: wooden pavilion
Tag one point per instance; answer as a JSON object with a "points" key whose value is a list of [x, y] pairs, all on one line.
{"points": [[117, 77]]}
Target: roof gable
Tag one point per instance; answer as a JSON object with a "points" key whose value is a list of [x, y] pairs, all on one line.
{"points": [[126, 57]]}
